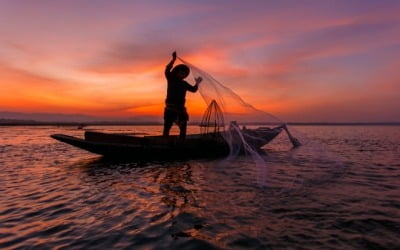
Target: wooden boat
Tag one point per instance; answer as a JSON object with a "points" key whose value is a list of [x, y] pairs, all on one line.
{"points": [[162, 148]]}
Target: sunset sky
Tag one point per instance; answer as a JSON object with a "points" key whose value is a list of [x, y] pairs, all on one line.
{"points": [[317, 61]]}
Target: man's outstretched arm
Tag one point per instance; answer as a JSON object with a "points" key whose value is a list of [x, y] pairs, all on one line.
{"points": [[196, 86]]}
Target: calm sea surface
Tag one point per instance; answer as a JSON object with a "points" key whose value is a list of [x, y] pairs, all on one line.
{"points": [[340, 191]]}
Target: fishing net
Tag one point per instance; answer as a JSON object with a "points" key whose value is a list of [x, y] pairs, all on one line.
{"points": [[247, 130], [229, 114]]}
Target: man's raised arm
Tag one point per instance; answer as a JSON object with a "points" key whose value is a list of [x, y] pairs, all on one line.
{"points": [[170, 64]]}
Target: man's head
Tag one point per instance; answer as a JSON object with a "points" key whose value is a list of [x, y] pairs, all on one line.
{"points": [[181, 71]]}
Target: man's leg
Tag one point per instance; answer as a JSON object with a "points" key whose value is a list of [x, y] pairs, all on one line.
{"points": [[183, 119], [168, 121], [167, 128], [182, 130]]}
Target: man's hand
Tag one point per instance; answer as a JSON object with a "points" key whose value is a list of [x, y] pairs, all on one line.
{"points": [[174, 55], [198, 79]]}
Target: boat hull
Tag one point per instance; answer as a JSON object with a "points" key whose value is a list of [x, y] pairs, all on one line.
{"points": [[155, 147], [147, 151]]}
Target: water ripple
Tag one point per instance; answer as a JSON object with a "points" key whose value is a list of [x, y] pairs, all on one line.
{"points": [[55, 196]]}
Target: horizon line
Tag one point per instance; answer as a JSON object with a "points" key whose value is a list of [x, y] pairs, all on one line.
{"points": [[17, 122]]}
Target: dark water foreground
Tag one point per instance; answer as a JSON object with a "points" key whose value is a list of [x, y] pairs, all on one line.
{"points": [[55, 196]]}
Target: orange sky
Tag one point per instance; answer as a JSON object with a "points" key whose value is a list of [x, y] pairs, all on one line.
{"points": [[299, 61]]}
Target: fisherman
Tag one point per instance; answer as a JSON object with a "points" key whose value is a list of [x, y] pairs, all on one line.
{"points": [[175, 110]]}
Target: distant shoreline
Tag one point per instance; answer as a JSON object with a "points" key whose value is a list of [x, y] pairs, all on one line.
{"points": [[84, 124]]}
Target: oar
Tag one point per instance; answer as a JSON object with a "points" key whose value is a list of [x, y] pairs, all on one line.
{"points": [[296, 143]]}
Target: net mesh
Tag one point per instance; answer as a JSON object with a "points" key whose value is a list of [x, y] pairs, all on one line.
{"points": [[233, 107], [212, 123]]}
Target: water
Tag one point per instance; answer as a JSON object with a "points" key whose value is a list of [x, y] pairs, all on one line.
{"points": [[341, 194]]}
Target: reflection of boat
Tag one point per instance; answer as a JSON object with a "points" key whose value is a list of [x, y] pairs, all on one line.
{"points": [[158, 147]]}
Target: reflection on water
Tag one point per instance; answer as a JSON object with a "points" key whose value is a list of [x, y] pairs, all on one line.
{"points": [[53, 195]]}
